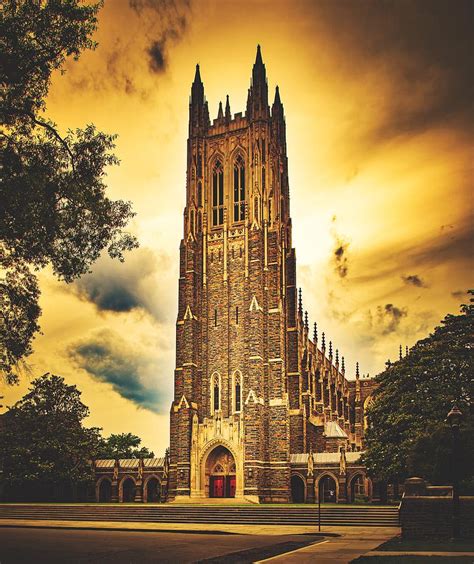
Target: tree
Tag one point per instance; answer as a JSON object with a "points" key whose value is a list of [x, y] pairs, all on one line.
{"points": [[407, 433], [44, 446], [54, 209], [124, 445]]}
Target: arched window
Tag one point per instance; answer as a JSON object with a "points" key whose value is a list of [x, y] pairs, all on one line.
{"points": [[215, 392], [217, 194], [239, 189], [237, 391], [216, 395]]}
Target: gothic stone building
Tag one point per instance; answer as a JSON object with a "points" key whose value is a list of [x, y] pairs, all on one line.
{"points": [[262, 410]]}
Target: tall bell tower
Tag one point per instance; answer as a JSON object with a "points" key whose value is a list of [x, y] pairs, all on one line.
{"points": [[230, 428]]}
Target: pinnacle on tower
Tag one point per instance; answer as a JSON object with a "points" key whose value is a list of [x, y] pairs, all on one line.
{"points": [[323, 341], [406, 350], [357, 370], [197, 89], [330, 350], [257, 103], [400, 353], [337, 356], [343, 367], [315, 333], [220, 113], [228, 116], [300, 302], [198, 111], [306, 320]]}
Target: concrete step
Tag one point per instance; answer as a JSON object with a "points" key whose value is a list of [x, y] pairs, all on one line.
{"points": [[251, 515]]}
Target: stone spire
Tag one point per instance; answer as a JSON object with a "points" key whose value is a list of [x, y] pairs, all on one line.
{"points": [[315, 333], [228, 115], [277, 107], [257, 103], [357, 370], [198, 110], [220, 113], [343, 367], [323, 342], [306, 324], [330, 351], [400, 355], [300, 302]]}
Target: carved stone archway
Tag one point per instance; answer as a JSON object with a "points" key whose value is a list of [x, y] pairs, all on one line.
{"points": [[220, 473]]}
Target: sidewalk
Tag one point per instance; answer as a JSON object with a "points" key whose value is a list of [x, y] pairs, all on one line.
{"points": [[352, 543], [218, 528]]}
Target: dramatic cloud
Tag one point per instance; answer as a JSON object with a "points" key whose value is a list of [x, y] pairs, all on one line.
{"points": [[339, 256], [171, 17], [135, 39], [423, 50], [143, 282], [132, 368], [388, 317], [380, 263], [414, 280], [459, 294]]}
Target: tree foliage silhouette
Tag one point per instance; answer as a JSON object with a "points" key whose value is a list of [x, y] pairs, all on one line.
{"points": [[54, 208], [408, 434]]}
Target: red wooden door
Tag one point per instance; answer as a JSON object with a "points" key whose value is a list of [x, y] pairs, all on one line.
{"points": [[231, 486], [217, 486]]}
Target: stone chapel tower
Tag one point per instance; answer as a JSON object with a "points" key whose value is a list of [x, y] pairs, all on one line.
{"points": [[237, 298], [243, 385]]}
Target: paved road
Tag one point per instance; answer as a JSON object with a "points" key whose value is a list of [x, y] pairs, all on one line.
{"points": [[23, 545]]}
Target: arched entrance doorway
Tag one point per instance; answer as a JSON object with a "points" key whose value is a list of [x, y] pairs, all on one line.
{"points": [[357, 488], [297, 489], [128, 490], [221, 472], [105, 491], [153, 490], [327, 489]]}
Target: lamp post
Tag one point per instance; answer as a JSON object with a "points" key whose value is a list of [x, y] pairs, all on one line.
{"points": [[454, 419]]}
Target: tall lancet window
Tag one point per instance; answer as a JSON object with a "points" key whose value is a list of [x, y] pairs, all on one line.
{"points": [[215, 389], [237, 391], [217, 194], [239, 189]]}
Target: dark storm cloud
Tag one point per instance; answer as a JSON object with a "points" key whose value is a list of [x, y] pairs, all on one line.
{"points": [[389, 317], [414, 280], [459, 294], [132, 372], [423, 47], [172, 19], [340, 259], [455, 245], [339, 255], [122, 287]]}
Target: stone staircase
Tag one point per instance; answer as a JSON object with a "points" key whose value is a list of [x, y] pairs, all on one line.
{"points": [[331, 515]]}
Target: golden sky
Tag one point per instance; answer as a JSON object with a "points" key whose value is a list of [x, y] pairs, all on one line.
{"points": [[378, 103]]}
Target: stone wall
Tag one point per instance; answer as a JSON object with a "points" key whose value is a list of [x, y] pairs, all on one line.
{"points": [[426, 512]]}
